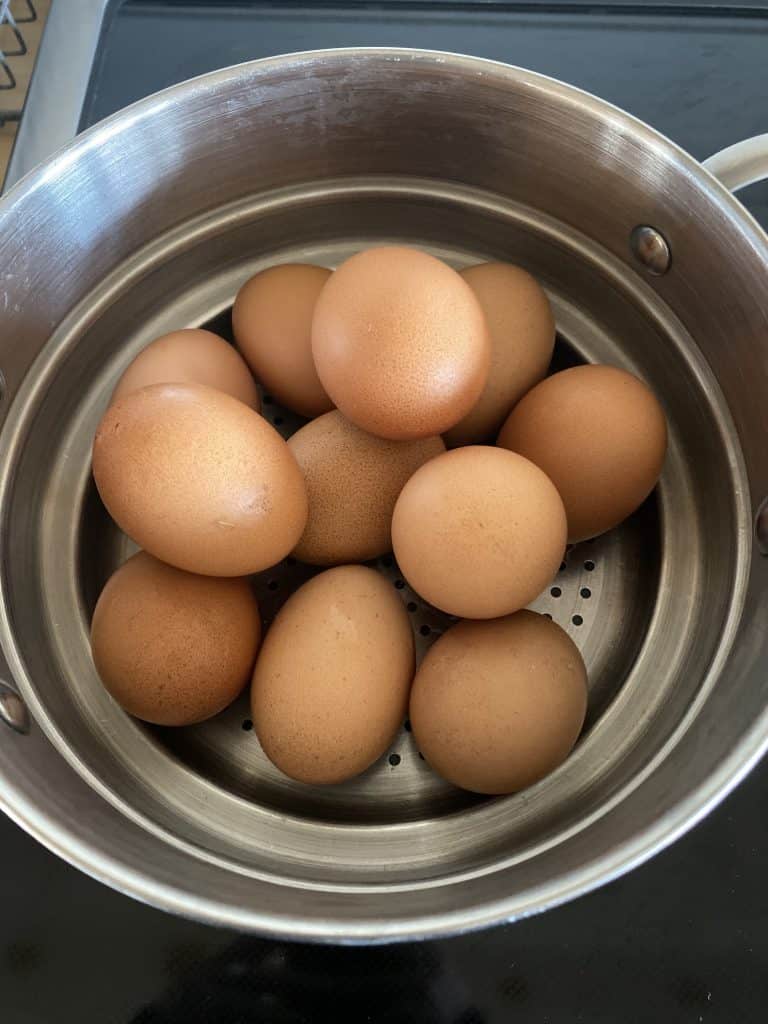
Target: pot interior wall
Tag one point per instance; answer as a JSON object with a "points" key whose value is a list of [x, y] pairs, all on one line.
{"points": [[648, 645]]}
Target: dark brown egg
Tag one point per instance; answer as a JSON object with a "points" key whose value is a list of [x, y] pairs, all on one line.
{"points": [[174, 648]]}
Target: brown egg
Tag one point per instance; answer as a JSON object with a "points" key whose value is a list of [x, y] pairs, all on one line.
{"points": [[330, 687], [522, 331], [174, 648], [353, 480], [272, 321], [477, 535], [199, 480], [400, 343], [600, 435], [497, 705], [191, 356]]}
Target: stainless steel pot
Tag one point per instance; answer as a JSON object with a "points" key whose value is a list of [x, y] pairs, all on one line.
{"points": [[150, 221]]}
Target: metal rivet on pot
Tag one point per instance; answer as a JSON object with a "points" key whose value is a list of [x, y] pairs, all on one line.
{"points": [[650, 248], [761, 527], [13, 710]]}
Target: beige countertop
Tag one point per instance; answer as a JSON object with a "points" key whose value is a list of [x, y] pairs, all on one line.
{"points": [[13, 99]]}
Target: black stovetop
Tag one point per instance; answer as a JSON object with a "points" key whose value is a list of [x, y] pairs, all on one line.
{"points": [[683, 938]]}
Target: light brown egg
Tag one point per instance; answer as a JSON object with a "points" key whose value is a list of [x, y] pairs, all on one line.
{"points": [[477, 535], [199, 480], [330, 687], [272, 321], [191, 356], [353, 480], [400, 343], [600, 435], [522, 331], [497, 705], [174, 648]]}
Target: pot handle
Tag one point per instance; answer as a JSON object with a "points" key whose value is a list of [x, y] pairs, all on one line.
{"points": [[741, 164]]}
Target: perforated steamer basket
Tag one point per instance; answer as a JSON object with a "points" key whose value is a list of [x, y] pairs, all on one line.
{"points": [[151, 221]]}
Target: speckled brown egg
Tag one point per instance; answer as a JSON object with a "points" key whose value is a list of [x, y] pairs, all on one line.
{"points": [[353, 480], [600, 434], [400, 343], [330, 687], [171, 647], [522, 332], [479, 535], [272, 322], [199, 480], [191, 356], [497, 705]]}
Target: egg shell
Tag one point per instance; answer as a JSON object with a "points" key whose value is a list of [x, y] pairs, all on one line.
{"points": [[477, 535], [522, 332], [400, 343], [497, 705], [191, 356], [272, 324], [600, 434], [199, 480], [171, 647], [330, 687], [353, 481]]}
